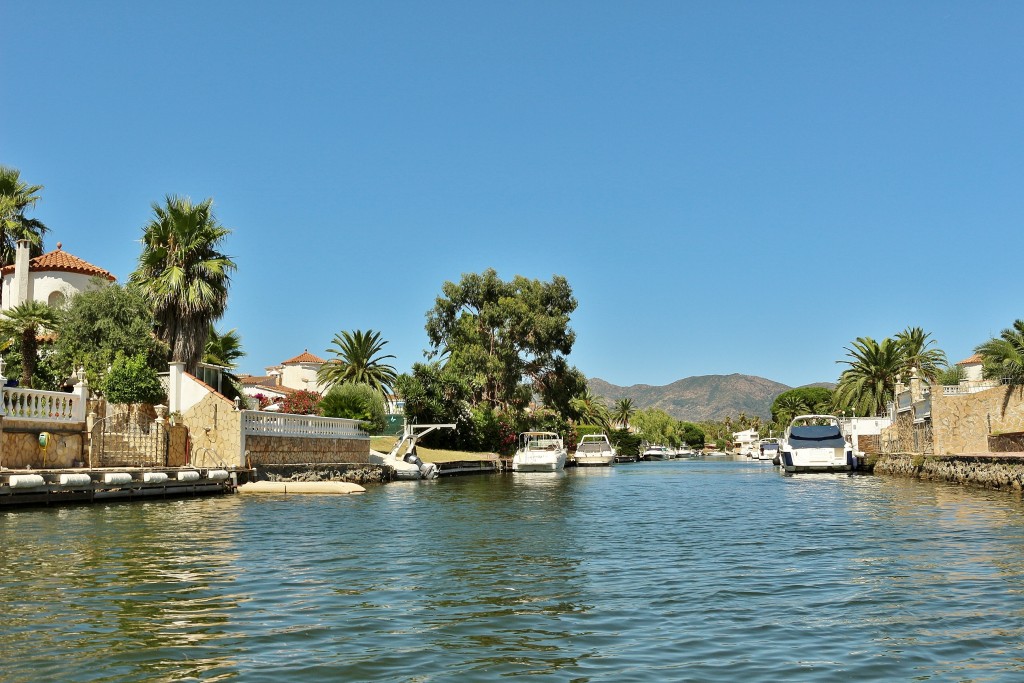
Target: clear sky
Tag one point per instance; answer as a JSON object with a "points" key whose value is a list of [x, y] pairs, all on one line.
{"points": [[727, 186]]}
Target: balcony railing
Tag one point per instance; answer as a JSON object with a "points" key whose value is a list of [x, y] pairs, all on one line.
{"points": [[256, 423], [42, 406]]}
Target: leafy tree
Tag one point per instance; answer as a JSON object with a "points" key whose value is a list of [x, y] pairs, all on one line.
{"points": [[100, 322], [183, 275], [356, 402], [434, 394], [302, 402], [913, 345], [24, 322], [500, 334], [800, 401], [17, 197], [132, 380], [693, 436], [623, 412], [590, 409], [225, 350], [358, 359], [950, 376], [626, 442], [1003, 356], [657, 426], [867, 386]]}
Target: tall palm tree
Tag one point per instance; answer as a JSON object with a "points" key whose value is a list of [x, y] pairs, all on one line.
{"points": [[223, 349], [1003, 356], [914, 343], [184, 275], [623, 412], [867, 386], [27, 320], [17, 197], [358, 360], [591, 409]]}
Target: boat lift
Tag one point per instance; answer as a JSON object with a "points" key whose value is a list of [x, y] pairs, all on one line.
{"points": [[411, 433]]}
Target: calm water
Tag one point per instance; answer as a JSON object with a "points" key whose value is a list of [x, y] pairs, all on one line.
{"points": [[684, 570]]}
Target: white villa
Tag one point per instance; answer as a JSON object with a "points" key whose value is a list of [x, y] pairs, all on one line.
{"points": [[50, 278], [745, 442], [287, 377]]}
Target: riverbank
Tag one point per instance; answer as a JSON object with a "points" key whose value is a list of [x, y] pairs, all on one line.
{"points": [[998, 471]]}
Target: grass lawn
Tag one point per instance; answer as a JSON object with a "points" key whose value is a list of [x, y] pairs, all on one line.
{"points": [[384, 444]]}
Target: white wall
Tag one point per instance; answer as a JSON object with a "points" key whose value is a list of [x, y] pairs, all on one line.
{"points": [[43, 284]]}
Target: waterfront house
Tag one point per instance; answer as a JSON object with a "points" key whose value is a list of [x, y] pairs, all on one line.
{"points": [[287, 377], [51, 278], [744, 443]]}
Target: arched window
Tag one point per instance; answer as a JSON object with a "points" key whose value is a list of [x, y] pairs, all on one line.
{"points": [[55, 300]]}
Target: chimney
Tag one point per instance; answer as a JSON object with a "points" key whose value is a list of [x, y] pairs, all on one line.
{"points": [[22, 279]]}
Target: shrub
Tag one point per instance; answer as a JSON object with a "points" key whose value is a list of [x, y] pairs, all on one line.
{"points": [[356, 402], [301, 403], [132, 380]]}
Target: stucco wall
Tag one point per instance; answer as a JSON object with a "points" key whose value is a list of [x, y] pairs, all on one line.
{"points": [[215, 432], [19, 444], [962, 423], [261, 450]]}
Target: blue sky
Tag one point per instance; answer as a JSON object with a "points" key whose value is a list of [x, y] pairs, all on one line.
{"points": [[727, 186]]}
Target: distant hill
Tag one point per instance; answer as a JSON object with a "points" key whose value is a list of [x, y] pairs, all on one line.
{"points": [[708, 397]]}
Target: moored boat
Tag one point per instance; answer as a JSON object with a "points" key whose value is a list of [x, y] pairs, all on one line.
{"points": [[815, 443], [539, 452], [594, 450], [768, 449], [655, 452]]}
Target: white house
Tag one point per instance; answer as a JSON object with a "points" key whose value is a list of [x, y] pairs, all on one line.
{"points": [[294, 374], [972, 368], [745, 442], [50, 278]]}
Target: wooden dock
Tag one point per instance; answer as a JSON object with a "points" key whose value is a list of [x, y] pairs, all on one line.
{"points": [[457, 467]]}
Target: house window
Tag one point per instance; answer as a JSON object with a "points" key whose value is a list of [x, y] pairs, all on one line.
{"points": [[55, 300]]}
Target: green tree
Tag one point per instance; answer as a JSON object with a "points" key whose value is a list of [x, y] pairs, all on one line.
{"points": [[356, 402], [913, 344], [592, 410], [509, 339], [24, 323], [225, 350], [623, 412], [434, 394], [100, 322], [867, 385], [1003, 356], [358, 359], [657, 426], [183, 275], [800, 401], [16, 198], [132, 380]]}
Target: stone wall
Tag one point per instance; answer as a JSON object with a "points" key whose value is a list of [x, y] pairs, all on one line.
{"points": [[263, 450], [19, 444], [354, 472], [962, 423], [987, 471], [899, 437], [214, 432]]}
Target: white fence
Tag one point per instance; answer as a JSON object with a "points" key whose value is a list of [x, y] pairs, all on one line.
{"points": [[42, 406], [262, 423]]}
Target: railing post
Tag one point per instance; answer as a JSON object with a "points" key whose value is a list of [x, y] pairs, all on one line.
{"points": [[81, 391]]}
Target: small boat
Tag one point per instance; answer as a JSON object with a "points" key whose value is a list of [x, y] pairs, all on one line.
{"points": [[408, 465], [655, 452], [594, 450], [815, 443], [768, 450], [539, 452]]}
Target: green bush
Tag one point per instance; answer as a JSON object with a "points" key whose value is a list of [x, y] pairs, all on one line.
{"points": [[356, 402], [132, 380], [625, 442]]}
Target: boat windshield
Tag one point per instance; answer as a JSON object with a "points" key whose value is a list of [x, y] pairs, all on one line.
{"points": [[816, 436]]}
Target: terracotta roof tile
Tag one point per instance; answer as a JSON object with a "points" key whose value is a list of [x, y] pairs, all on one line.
{"points": [[972, 360], [61, 261], [304, 357]]}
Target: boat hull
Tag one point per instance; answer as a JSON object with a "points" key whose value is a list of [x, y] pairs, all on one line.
{"points": [[594, 460], [818, 460], [533, 465]]}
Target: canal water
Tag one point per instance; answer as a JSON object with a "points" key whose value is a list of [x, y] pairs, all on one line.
{"points": [[698, 570]]}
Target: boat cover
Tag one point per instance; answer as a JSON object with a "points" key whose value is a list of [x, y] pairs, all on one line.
{"points": [[769, 446], [816, 436]]}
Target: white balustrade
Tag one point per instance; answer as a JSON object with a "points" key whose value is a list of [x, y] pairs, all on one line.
{"points": [[263, 423], [42, 406]]}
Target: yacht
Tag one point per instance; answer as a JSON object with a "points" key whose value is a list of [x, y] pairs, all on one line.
{"points": [[594, 449], [768, 450], [815, 443], [539, 452], [655, 452]]}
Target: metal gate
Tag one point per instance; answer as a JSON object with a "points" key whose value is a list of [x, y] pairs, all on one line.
{"points": [[129, 440]]}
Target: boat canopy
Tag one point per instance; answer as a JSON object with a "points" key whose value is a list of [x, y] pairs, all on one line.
{"points": [[816, 436], [769, 446]]}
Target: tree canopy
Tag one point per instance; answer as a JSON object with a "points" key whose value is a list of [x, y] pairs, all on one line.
{"points": [[509, 339], [800, 401], [358, 359], [16, 198]]}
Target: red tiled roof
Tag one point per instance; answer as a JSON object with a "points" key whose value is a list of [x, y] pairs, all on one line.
{"points": [[304, 357], [63, 262], [254, 381], [973, 360]]}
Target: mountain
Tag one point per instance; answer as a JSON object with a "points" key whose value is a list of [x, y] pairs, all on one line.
{"points": [[708, 397]]}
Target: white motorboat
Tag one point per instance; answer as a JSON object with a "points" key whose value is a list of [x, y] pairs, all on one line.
{"points": [[594, 450], [768, 450], [815, 443], [539, 452], [655, 452], [403, 458]]}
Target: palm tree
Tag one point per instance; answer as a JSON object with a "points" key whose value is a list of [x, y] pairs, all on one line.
{"points": [[16, 197], [867, 386], [183, 275], [223, 349], [357, 360], [1003, 356], [624, 411], [591, 409], [27, 321], [914, 343]]}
